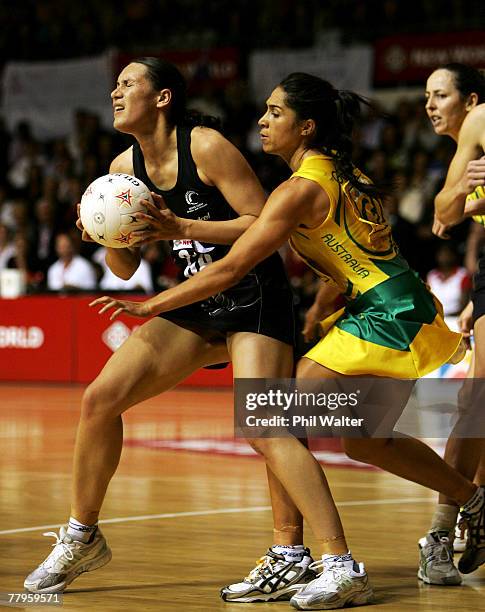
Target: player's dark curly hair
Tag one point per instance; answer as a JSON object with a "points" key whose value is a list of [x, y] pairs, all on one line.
{"points": [[468, 80], [164, 75], [334, 113]]}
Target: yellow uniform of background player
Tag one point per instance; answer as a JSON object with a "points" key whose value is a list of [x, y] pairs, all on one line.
{"points": [[477, 194], [392, 325]]}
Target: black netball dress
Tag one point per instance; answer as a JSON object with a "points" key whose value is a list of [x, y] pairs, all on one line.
{"points": [[262, 302]]}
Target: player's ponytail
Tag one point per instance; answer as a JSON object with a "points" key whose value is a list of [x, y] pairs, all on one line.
{"points": [[335, 114], [194, 117], [164, 75]]}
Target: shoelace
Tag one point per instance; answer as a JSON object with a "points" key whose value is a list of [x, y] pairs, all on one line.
{"points": [[330, 572], [474, 528], [462, 528], [463, 523], [262, 564], [64, 549]]}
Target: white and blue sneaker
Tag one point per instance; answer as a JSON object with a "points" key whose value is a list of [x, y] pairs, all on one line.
{"points": [[436, 560], [342, 582], [68, 559], [275, 577]]}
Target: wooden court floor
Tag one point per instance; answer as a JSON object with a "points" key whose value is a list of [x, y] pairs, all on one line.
{"points": [[182, 524]]}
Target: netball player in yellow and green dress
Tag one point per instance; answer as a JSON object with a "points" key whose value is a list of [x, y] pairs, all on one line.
{"points": [[391, 325]]}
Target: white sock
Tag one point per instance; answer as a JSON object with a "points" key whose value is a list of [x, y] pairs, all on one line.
{"points": [[476, 501], [444, 518], [80, 532], [342, 557], [290, 552], [346, 559]]}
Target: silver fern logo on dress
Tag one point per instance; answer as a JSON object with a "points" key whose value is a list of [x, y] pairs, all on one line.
{"points": [[192, 199]]}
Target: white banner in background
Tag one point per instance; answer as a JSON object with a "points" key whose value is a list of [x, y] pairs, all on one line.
{"points": [[46, 94], [346, 68]]}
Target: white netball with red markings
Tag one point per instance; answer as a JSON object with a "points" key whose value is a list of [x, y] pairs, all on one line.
{"points": [[108, 207]]}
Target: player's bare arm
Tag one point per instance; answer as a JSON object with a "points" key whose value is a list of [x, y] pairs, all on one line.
{"points": [[322, 307], [466, 171], [293, 203]]}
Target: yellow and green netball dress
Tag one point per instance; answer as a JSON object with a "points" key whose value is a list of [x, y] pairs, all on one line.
{"points": [[392, 325]]}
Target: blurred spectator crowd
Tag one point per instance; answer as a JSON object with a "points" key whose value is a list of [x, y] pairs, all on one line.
{"points": [[49, 29]]}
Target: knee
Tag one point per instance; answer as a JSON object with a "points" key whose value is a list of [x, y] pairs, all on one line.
{"points": [[353, 449], [257, 444], [305, 368], [97, 403], [364, 450], [262, 446]]}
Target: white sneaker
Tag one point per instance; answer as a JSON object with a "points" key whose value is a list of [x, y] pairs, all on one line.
{"points": [[436, 560], [275, 577], [459, 543], [68, 559], [341, 583]]}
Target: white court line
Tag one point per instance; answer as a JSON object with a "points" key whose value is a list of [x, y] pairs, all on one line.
{"points": [[149, 517]]}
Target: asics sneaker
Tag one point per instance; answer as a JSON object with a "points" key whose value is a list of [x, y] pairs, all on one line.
{"points": [[342, 582], [436, 560], [474, 522], [68, 559], [275, 577]]}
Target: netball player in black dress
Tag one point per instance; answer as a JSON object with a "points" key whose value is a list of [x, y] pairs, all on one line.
{"points": [[214, 196]]}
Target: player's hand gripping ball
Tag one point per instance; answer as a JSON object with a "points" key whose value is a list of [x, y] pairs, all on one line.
{"points": [[108, 208]]}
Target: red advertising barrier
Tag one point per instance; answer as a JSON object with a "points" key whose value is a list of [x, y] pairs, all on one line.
{"points": [[411, 58], [61, 339], [36, 339]]}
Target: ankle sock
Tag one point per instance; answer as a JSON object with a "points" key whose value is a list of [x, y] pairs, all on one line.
{"points": [[81, 533], [346, 559], [290, 552], [476, 502], [338, 558]]}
